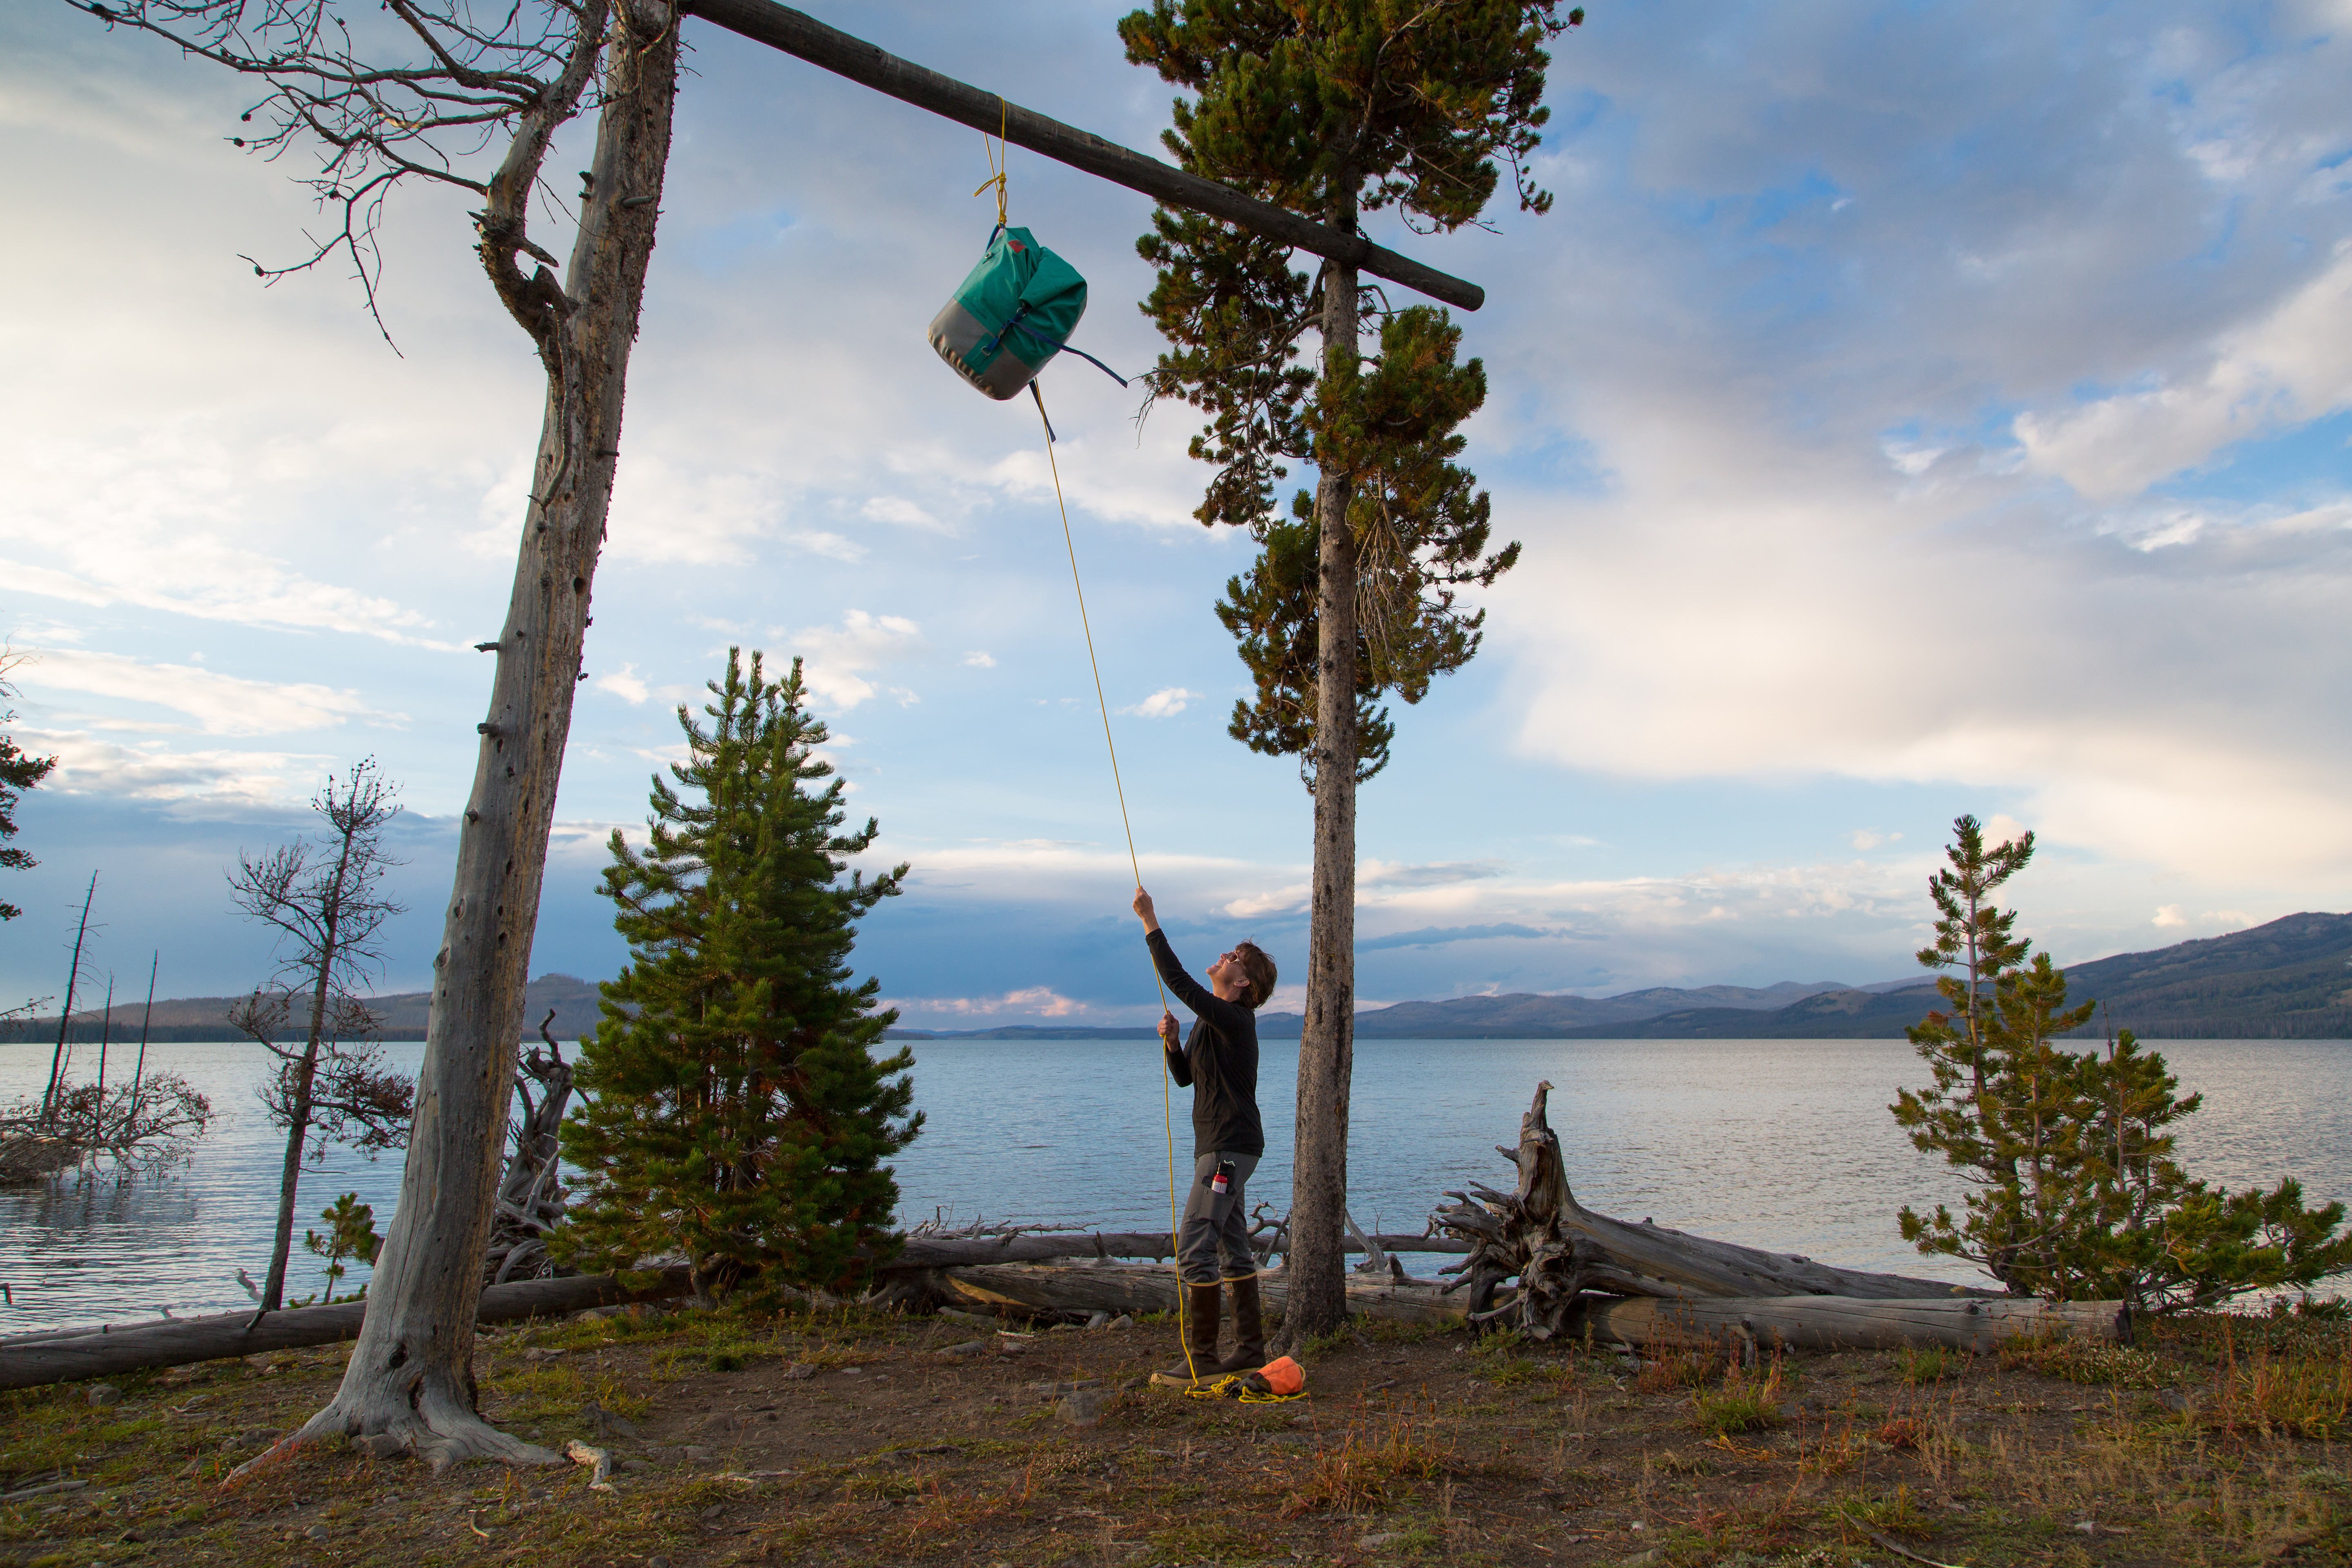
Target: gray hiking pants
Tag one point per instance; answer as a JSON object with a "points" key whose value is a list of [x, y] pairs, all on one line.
{"points": [[1213, 1244]]}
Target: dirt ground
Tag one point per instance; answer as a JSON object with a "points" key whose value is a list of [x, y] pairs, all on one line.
{"points": [[841, 1438]]}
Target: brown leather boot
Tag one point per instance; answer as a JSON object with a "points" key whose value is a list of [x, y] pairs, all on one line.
{"points": [[1201, 1302], [1249, 1327]]}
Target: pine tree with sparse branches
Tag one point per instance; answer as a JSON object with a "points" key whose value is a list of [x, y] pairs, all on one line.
{"points": [[735, 1106], [1336, 108], [2074, 1192]]}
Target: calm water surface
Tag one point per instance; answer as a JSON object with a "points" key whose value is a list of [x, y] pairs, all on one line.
{"points": [[1773, 1142]]}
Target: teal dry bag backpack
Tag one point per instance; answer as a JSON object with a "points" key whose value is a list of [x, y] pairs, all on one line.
{"points": [[1015, 310]]}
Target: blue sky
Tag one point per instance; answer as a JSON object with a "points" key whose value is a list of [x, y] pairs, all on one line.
{"points": [[1906, 410]]}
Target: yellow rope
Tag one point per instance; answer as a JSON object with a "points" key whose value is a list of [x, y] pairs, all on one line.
{"points": [[1000, 160], [1102, 705]]}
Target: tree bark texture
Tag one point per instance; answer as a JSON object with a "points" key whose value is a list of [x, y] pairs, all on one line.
{"points": [[411, 1375], [29, 1360], [273, 1290], [1327, 1046], [289, 1177]]}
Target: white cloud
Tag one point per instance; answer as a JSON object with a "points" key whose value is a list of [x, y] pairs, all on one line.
{"points": [[2168, 915], [625, 684], [153, 771], [838, 658], [1164, 703], [978, 659], [1030, 1001], [2003, 829], [1372, 871], [1291, 900], [904, 512], [2286, 368], [217, 704]]}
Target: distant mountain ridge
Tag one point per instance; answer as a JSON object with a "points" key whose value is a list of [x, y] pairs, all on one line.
{"points": [[405, 1014], [1526, 1015], [2291, 979]]}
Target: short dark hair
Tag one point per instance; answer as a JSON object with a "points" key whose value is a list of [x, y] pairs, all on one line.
{"points": [[1260, 970]]}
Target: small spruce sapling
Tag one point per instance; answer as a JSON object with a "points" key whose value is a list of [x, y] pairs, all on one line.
{"points": [[351, 1233], [734, 1106], [2074, 1195]]}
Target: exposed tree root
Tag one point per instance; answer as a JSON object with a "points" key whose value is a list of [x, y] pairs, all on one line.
{"points": [[438, 1425]]}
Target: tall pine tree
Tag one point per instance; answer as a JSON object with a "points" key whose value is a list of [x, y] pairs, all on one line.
{"points": [[1334, 109], [735, 1105]]}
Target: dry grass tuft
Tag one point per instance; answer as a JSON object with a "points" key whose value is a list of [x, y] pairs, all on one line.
{"points": [[1367, 1472], [1746, 1402]]}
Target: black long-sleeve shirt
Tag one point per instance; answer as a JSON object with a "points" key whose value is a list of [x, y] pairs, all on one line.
{"points": [[1219, 1061]]}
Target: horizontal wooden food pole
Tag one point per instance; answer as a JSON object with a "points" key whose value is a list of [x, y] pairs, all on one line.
{"points": [[32, 1360]]}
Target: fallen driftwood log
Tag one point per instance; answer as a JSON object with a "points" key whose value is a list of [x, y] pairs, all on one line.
{"points": [[1041, 1246], [1151, 1288], [1838, 1322], [1739, 1324], [38, 1359], [1555, 1249]]}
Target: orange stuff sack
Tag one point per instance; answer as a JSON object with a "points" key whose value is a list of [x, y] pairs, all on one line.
{"points": [[1284, 1375]]}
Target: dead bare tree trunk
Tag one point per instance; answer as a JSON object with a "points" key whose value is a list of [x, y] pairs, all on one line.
{"points": [[1317, 1257], [411, 1375], [530, 1198]]}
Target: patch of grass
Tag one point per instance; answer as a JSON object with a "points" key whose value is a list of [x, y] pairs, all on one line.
{"points": [[1499, 1342], [1678, 1369], [1930, 1363], [1894, 1514], [1366, 1473], [1747, 1401], [2078, 1360], [1393, 1331], [1834, 1454], [1207, 1543], [882, 1484], [2307, 1396], [1339, 1339], [1766, 1524], [1903, 1432], [548, 1391], [1499, 1359]]}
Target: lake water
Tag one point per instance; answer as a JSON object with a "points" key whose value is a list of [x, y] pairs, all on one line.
{"points": [[1777, 1143]]}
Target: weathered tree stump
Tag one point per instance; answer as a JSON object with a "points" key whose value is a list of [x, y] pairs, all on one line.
{"points": [[1549, 1249], [530, 1198]]}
